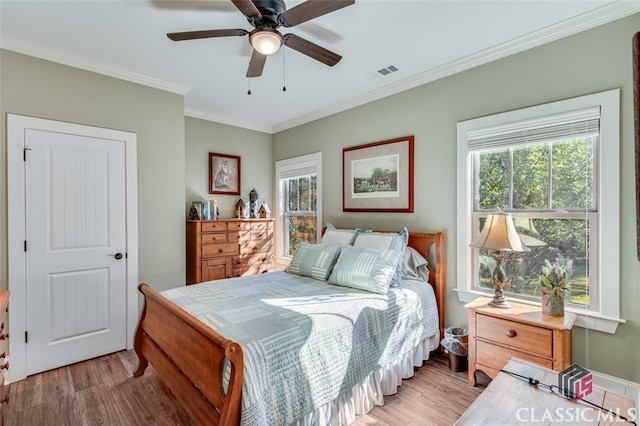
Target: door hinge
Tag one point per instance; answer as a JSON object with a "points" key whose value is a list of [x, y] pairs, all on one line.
{"points": [[24, 153], [26, 337], [25, 245]]}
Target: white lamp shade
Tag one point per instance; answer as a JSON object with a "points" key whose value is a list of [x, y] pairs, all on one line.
{"points": [[499, 234], [266, 42]]}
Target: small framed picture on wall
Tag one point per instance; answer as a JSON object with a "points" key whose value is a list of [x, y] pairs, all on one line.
{"points": [[224, 174]]}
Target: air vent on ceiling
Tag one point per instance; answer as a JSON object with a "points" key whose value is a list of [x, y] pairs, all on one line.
{"points": [[389, 69]]}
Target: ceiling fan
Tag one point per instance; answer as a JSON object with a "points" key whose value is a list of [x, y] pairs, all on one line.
{"points": [[266, 16]]}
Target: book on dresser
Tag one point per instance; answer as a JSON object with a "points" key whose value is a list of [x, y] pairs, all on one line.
{"points": [[228, 248]]}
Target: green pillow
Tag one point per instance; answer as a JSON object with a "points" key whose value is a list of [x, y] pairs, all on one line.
{"points": [[314, 260], [366, 269]]}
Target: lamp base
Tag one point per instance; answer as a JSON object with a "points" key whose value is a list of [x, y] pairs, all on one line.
{"points": [[500, 302]]}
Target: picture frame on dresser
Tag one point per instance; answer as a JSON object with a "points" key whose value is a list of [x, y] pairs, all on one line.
{"points": [[378, 177], [224, 174]]}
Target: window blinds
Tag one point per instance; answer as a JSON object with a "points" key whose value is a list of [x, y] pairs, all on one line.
{"points": [[574, 124]]}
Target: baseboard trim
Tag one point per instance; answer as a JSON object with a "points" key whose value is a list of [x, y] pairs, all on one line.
{"points": [[618, 385]]}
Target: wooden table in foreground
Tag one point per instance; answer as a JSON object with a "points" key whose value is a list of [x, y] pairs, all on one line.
{"points": [[511, 400]]}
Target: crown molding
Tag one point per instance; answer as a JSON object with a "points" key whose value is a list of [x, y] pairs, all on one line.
{"points": [[203, 115], [603, 15], [66, 58], [589, 20]]}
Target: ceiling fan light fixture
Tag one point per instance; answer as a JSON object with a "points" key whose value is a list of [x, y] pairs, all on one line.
{"points": [[266, 41]]}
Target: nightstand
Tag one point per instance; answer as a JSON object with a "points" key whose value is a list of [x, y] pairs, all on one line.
{"points": [[498, 334]]}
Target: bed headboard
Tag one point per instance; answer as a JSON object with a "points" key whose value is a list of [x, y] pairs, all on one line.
{"points": [[430, 246]]}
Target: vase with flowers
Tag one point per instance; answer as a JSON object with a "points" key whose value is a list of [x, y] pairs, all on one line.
{"points": [[554, 280]]}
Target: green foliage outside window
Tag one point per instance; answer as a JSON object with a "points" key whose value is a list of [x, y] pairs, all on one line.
{"points": [[547, 187], [301, 211]]}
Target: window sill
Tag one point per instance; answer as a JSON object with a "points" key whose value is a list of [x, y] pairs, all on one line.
{"points": [[589, 320]]}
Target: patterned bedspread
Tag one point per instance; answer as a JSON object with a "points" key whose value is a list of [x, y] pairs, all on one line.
{"points": [[306, 341]]}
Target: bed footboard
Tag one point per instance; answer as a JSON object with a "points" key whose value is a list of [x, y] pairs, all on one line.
{"points": [[189, 358]]}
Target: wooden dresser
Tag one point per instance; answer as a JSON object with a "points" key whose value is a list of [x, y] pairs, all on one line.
{"points": [[4, 364], [218, 249], [498, 334]]}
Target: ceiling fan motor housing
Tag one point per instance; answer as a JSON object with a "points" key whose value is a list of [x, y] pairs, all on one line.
{"points": [[270, 11]]}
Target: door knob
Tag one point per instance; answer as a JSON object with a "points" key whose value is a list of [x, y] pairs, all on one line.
{"points": [[118, 256]]}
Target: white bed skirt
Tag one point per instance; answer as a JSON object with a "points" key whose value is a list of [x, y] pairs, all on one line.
{"points": [[363, 397]]}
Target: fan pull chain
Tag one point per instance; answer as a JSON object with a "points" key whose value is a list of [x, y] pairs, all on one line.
{"points": [[284, 71], [249, 78]]}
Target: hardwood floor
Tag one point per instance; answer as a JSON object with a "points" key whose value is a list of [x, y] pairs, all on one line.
{"points": [[103, 392]]}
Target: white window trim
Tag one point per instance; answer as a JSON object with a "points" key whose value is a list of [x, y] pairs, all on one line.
{"points": [[608, 317], [309, 160]]}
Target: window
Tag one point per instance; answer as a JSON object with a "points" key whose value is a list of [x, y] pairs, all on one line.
{"points": [[554, 167], [299, 202]]}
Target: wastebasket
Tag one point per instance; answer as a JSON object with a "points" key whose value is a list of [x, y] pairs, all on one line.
{"points": [[455, 342]]}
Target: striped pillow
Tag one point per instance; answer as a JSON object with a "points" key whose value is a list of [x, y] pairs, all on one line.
{"points": [[366, 269], [314, 260]]}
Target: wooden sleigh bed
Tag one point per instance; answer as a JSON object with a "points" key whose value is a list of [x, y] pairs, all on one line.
{"points": [[202, 368]]}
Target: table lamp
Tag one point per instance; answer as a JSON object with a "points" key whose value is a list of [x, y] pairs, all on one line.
{"points": [[499, 236]]}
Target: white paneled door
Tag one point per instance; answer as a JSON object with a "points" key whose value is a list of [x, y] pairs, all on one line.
{"points": [[75, 203]]}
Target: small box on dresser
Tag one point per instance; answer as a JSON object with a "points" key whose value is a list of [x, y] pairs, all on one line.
{"points": [[523, 331], [4, 364], [218, 249]]}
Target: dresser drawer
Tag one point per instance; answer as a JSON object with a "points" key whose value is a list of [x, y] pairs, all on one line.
{"points": [[237, 226], [255, 226], [239, 235], [219, 250], [214, 238], [261, 234], [524, 337], [255, 246], [496, 357], [258, 260], [213, 226]]}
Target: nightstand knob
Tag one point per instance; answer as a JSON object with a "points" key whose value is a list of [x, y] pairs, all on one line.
{"points": [[511, 333], [220, 250]]}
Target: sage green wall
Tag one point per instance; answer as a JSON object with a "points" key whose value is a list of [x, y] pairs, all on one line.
{"points": [[256, 165], [592, 61], [39, 88]]}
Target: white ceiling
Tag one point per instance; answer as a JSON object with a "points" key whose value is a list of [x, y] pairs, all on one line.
{"points": [[425, 40]]}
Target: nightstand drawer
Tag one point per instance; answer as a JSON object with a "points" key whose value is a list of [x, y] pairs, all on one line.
{"points": [[524, 337], [496, 357]]}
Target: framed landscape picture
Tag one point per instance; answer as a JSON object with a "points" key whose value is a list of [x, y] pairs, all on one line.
{"points": [[224, 174], [378, 177]]}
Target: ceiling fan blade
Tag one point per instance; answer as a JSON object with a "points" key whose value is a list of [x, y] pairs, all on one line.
{"points": [[256, 64], [311, 49], [193, 35], [247, 8], [311, 9]]}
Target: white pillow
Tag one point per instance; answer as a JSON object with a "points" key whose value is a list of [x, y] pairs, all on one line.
{"points": [[344, 237]]}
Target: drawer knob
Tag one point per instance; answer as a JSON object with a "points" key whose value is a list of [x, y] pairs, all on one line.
{"points": [[220, 250], [511, 333]]}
